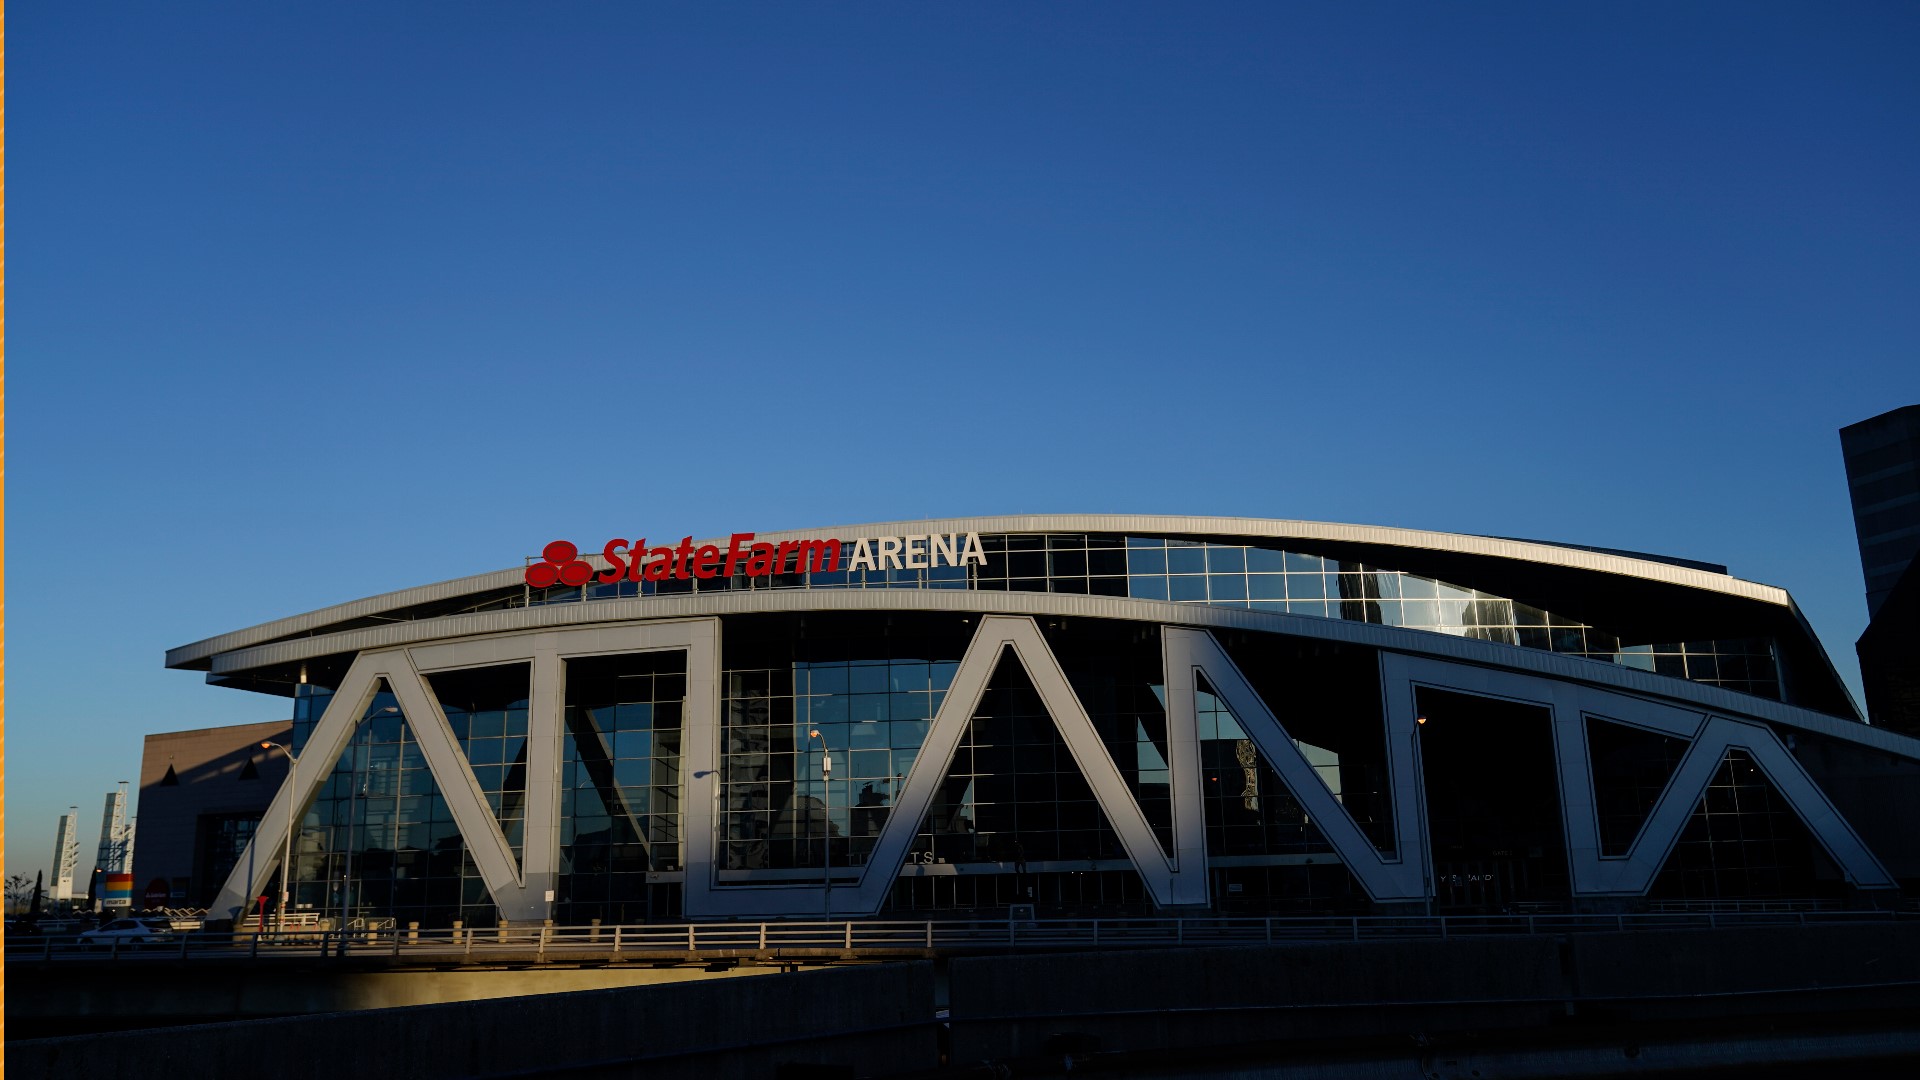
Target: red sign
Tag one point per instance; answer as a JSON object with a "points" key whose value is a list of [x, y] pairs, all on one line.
{"points": [[561, 563], [157, 893]]}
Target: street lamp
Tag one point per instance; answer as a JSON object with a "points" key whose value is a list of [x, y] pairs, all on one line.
{"points": [[826, 811], [286, 851], [718, 858]]}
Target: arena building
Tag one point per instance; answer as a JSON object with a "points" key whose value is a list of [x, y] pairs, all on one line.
{"points": [[1091, 714]]}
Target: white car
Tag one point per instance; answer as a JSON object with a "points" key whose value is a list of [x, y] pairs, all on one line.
{"points": [[130, 932]]}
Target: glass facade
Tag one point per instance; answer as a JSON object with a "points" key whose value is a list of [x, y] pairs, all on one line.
{"points": [[823, 716], [1744, 842], [1249, 810], [800, 691], [1327, 696], [487, 709], [620, 782], [1115, 671], [1263, 578], [310, 700], [1630, 768], [1872, 789], [1013, 794], [379, 842], [219, 846], [1493, 803]]}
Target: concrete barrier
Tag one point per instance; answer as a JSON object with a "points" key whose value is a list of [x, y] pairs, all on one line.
{"points": [[1743, 961], [1024, 1006], [86, 998], [878, 1019], [864, 1020], [1020, 1006]]}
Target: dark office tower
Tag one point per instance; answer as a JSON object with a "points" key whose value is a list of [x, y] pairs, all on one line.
{"points": [[1890, 657], [1883, 477]]}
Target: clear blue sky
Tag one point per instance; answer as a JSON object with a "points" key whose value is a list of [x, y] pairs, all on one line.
{"points": [[316, 301]]}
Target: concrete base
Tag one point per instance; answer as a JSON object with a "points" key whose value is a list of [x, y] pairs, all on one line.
{"points": [[1012, 1006], [858, 1020], [1754, 987], [75, 998]]}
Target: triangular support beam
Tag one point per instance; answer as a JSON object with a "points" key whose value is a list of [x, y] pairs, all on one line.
{"points": [[331, 737], [1172, 882], [522, 892], [1385, 878], [1593, 873]]}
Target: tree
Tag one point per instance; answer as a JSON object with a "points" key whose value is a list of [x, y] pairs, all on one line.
{"points": [[19, 892]]}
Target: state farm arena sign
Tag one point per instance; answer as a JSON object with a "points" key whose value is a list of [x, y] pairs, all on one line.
{"points": [[560, 562]]}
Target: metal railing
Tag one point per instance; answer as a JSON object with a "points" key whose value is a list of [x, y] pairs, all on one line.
{"points": [[1660, 906], [875, 939]]}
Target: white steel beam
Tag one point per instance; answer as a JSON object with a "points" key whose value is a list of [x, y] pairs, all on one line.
{"points": [[1385, 878], [522, 890], [1710, 736], [1168, 884]]}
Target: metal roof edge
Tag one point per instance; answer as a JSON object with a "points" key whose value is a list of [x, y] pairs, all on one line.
{"points": [[1162, 612], [1142, 524]]}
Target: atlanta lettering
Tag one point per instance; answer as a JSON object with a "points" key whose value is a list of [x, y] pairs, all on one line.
{"points": [[561, 563]]}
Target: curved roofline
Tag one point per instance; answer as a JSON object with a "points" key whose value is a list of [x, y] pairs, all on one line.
{"points": [[1134, 524], [519, 622]]}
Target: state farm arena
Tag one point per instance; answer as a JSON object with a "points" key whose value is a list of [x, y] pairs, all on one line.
{"points": [[1090, 714]]}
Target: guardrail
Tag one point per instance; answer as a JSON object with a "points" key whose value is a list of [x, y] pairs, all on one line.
{"points": [[875, 939]]}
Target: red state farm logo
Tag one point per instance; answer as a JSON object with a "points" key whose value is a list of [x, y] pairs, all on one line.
{"points": [[562, 566], [743, 557]]}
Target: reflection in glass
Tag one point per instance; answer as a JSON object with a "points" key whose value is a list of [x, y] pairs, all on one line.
{"points": [[1744, 841], [1247, 575], [862, 692], [1631, 767], [620, 785], [487, 710], [1013, 793], [378, 842]]}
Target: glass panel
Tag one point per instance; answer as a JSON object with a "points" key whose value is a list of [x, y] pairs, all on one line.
{"points": [[1226, 587], [1072, 563], [1115, 672], [1249, 810], [1631, 767], [1327, 696], [1226, 560], [1147, 588], [1187, 560], [868, 689], [1493, 802], [1263, 560], [482, 706], [1872, 790], [1147, 562], [620, 759], [368, 848], [1187, 587], [1744, 842], [1012, 794]]}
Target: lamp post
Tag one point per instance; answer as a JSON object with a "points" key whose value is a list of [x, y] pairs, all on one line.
{"points": [[826, 811], [717, 859], [286, 851]]}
